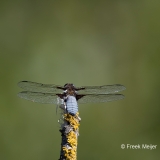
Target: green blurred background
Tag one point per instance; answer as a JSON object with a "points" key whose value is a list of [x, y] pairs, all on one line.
{"points": [[86, 43]]}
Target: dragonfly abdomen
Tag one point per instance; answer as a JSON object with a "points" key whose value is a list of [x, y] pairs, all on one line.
{"points": [[71, 104]]}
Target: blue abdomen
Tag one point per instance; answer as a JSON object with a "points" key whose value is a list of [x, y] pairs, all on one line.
{"points": [[72, 106]]}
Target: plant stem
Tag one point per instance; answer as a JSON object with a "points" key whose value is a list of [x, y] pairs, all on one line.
{"points": [[69, 132]]}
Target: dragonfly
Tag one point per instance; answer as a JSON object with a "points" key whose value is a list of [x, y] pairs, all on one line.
{"points": [[71, 95]]}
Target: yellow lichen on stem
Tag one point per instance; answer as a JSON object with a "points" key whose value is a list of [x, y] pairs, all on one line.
{"points": [[70, 149]]}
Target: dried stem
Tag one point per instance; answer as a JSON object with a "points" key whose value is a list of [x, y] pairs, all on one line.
{"points": [[69, 132]]}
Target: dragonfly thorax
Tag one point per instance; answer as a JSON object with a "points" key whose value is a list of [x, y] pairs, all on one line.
{"points": [[70, 89]]}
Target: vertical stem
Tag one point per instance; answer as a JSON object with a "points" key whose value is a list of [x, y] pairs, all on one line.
{"points": [[69, 132]]}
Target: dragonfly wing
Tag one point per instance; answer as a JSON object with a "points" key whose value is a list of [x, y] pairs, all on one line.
{"points": [[39, 87], [95, 98], [39, 97], [106, 89]]}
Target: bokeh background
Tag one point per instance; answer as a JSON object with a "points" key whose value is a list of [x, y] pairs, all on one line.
{"points": [[86, 43]]}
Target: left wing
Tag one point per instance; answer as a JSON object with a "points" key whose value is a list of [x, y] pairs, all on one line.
{"points": [[49, 98], [39, 87]]}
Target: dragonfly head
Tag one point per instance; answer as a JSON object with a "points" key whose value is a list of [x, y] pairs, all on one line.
{"points": [[68, 85]]}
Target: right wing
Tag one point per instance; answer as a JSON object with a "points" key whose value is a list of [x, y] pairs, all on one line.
{"points": [[106, 89], [100, 98]]}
